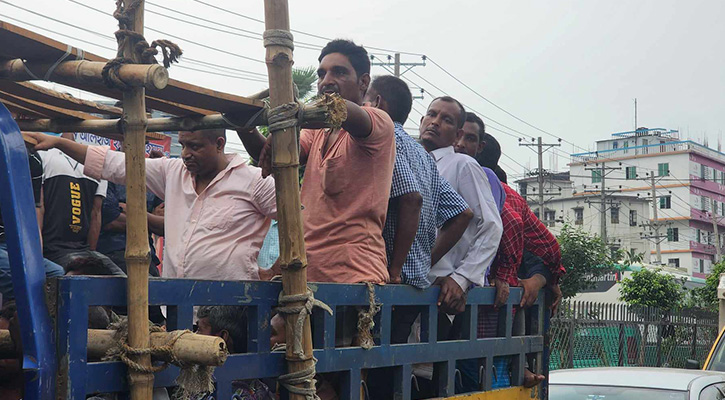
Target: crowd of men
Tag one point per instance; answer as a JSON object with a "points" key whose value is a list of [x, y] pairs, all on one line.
{"points": [[378, 207]]}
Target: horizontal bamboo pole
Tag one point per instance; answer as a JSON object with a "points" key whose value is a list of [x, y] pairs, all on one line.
{"points": [[315, 115], [152, 76], [190, 347]]}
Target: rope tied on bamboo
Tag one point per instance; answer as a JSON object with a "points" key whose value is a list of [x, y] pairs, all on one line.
{"points": [[145, 52], [278, 37], [192, 380], [285, 116], [306, 376], [302, 311], [366, 319]]}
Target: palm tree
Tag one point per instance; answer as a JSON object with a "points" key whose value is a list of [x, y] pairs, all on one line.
{"points": [[305, 79], [632, 257]]}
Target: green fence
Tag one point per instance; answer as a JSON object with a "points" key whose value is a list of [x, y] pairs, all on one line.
{"points": [[587, 334]]}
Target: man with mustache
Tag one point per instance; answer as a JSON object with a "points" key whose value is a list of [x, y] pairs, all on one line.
{"points": [[467, 262], [219, 207], [348, 175]]}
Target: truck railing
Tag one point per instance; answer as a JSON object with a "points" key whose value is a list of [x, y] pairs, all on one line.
{"points": [[54, 320], [76, 294]]}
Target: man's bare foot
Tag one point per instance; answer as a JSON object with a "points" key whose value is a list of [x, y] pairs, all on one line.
{"points": [[531, 379]]}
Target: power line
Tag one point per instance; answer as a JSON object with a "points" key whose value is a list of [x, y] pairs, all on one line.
{"points": [[178, 37], [299, 31], [491, 102], [246, 33], [112, 49]]}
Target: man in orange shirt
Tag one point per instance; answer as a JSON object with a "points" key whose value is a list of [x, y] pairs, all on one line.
{"points": [[348, 175]]}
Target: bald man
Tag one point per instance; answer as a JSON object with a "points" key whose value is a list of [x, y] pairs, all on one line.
{"points": [[218, 207]]}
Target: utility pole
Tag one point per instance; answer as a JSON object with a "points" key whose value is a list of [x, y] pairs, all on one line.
{"points": [[603, 220], [395, 63], [604, 197], [654, 217], [635, 114], [657, 238], [716, 232], [540, 153]]}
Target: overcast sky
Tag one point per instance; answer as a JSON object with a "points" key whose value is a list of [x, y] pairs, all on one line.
{"points": [[570, 68]]}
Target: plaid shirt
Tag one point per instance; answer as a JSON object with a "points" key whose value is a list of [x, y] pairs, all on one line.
{"points": [[416, 171], [511, 248], [536, 238]]}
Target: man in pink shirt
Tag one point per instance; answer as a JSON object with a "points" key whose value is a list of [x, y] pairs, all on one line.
{"points": [[348, 175], [218, 208]]}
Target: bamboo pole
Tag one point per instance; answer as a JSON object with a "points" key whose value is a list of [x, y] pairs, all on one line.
{"points": [[150, 76], [292, 257], [137, 243], [189, 348], [315, 114]]}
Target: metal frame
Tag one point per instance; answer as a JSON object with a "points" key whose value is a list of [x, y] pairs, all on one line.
{"points": [[76, 294], [26, 261]]}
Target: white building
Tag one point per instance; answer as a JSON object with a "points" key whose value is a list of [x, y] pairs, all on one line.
{"points": [[564, 203], [689, 181]]}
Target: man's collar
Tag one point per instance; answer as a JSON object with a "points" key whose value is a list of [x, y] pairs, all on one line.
{"points": [[438, 154], [235, 160]]}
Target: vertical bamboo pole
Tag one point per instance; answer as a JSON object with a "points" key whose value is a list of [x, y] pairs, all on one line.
{"points": [[137, 244], [285, 162]]}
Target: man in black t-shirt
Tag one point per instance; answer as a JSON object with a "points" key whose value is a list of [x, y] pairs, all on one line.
{"points": [[72, 211], [51, 269]]}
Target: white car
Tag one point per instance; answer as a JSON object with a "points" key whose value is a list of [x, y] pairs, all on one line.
{"points": [[626, 383]]}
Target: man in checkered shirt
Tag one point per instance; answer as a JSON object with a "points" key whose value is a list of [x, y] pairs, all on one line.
{"points": [[421, 201]]}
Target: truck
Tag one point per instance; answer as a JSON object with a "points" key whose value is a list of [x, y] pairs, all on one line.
{"points": [[60, 354]]}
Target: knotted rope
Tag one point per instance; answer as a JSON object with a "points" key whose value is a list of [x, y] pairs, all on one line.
{"points": [[366, 319], [302, 311], [146, 53], [278, 37], [305, 377], [192, 380], [293, 114]]}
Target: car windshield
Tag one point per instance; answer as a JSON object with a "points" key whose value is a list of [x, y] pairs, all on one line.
{"points": [[589, 392], [717, 363]]}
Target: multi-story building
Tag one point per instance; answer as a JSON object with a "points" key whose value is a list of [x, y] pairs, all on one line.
{"points": [[565, 203], [686, 178]]}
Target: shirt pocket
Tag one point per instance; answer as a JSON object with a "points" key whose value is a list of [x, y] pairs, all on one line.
{"points": [[219, 216], [334, 179]]}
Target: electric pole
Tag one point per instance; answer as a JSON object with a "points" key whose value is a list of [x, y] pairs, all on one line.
{"points": [[540, 153], [657, 238], [395, 63], [654, 217], [716, 232], [635, 114], [604, 197]]}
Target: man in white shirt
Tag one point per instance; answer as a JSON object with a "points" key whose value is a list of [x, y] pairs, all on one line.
{"points": [[467, 262]]}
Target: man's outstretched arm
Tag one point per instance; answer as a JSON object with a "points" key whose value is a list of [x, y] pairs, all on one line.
{"points": [[74, 150], [100, 163]]}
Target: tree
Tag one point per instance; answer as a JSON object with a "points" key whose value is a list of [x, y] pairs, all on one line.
{"points": [[650, 288], [706, 296], [586, 257], [632, 257], [305, 79]]}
